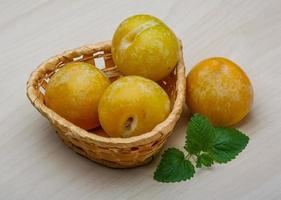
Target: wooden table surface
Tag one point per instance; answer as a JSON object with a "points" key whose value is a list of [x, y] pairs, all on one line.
{"points": [[35, 164]]}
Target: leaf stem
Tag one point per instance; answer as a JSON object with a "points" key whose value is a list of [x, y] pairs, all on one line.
{"points": [[188, 156]]}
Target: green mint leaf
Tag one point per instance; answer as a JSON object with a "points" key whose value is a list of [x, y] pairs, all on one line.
{"points": [[205, 142], [204, 159], [199, 135], [174, 167], [227, 144]]}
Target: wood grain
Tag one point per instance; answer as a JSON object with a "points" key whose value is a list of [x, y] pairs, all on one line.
{"points": [[35, 164]]}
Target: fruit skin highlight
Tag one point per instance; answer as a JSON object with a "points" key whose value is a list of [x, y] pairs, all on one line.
{"points": [[74, 93], [143, 45], [131, 106], [220, 90]]}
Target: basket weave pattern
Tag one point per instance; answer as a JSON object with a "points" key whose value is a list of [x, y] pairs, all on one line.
{"points": [[112, 152]]}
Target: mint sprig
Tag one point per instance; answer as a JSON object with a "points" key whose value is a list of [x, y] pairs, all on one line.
{"points": [[205, 145]]}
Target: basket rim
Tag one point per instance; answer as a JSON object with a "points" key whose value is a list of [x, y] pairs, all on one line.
{"points": [[77, 132]]}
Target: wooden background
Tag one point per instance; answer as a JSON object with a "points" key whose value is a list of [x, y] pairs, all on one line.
{"points": [[35, 164]]}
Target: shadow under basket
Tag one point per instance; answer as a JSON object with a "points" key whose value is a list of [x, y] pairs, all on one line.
{"points": [[94, 144]]}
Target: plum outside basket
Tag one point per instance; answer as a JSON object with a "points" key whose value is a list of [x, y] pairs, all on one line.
{"points": [[111, 152]]}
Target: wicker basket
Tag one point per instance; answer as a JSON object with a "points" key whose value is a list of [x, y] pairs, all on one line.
{"points": [[95, 145]]}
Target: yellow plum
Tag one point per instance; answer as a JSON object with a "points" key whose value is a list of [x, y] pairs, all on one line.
{"points": [[74, 93], [131, 106], [143, 45], [220, 90]]}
